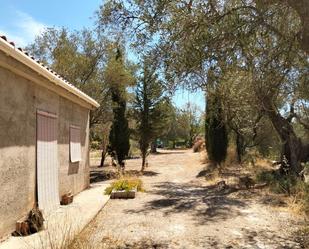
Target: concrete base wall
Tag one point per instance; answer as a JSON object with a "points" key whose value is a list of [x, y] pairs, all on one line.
{"points": [[19, 101]]}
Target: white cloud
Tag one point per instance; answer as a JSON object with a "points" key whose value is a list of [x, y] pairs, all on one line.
{"points": [[23, 29]]}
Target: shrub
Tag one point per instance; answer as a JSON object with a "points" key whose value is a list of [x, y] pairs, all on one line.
{"points": [[125, 184], [286, 184], [280, 184], [216, 134]]}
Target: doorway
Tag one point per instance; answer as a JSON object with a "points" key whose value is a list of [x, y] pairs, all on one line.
{"points": [[47, 161]]}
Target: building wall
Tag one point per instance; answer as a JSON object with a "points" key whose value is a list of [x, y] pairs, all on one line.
{"points": [[19, 100]]}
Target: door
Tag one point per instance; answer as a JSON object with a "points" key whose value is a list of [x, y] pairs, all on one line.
{"points": [[47, 161]]}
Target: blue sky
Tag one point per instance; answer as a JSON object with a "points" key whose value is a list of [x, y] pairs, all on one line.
{"points": [[22, 20]]}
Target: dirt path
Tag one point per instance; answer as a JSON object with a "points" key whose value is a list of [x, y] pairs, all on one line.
{"points": [[179, 210]]}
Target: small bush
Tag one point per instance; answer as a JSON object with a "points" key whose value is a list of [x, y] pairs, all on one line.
{"points": [[289, 185], [125, 184], [280, 184]]}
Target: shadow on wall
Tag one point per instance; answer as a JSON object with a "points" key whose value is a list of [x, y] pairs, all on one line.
{"points": [[207, 204], [73, 168], [20, 128]]}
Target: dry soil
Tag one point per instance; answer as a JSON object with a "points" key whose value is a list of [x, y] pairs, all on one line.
{"points": [[181, 210]]}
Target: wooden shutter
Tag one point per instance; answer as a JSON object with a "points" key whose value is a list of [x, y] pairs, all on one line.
{"points": [[75, 147], [47, 161]]}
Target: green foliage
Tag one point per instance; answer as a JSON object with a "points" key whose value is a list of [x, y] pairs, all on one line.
{"points": [[79, 57], [150, 107], [118, 72], [278, 183], [118, 81], [216, 135], [256, 45], [95, 145], [134, 149], [125, 184], [268, 143], [119, 135], [286, 184], [185, 126]]}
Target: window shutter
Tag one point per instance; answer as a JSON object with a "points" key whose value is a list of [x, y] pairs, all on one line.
{"points": [[75, 147]]}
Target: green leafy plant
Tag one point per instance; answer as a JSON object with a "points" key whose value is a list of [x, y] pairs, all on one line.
{"points": [[216, 134], [125, 184]]}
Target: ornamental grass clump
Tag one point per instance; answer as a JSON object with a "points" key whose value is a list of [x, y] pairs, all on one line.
{"points": [[125, 184]]}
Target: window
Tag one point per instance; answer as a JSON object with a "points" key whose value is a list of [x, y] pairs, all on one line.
{"points": [[75, 148]]}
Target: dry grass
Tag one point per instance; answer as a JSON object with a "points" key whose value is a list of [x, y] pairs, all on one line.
{"points": [[56, 236], [295, 206], [294, 193]]}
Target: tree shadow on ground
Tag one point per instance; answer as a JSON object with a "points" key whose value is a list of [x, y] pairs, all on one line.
{"points": [[204, 203], [100, 175], [266, 237], [113, 242], [205, 173], [272, 200], [223, 172], [166, 152]]}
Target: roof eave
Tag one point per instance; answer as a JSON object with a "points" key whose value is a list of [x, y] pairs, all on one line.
{"points": [[12, 51]]}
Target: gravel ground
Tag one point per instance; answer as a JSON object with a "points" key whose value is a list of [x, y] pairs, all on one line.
{"points": [[180, 210]]}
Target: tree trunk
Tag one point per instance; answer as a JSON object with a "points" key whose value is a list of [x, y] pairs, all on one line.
{"points": [[153, 147], [292, 153], [103, 156], [239, 147], [143, 161]]}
